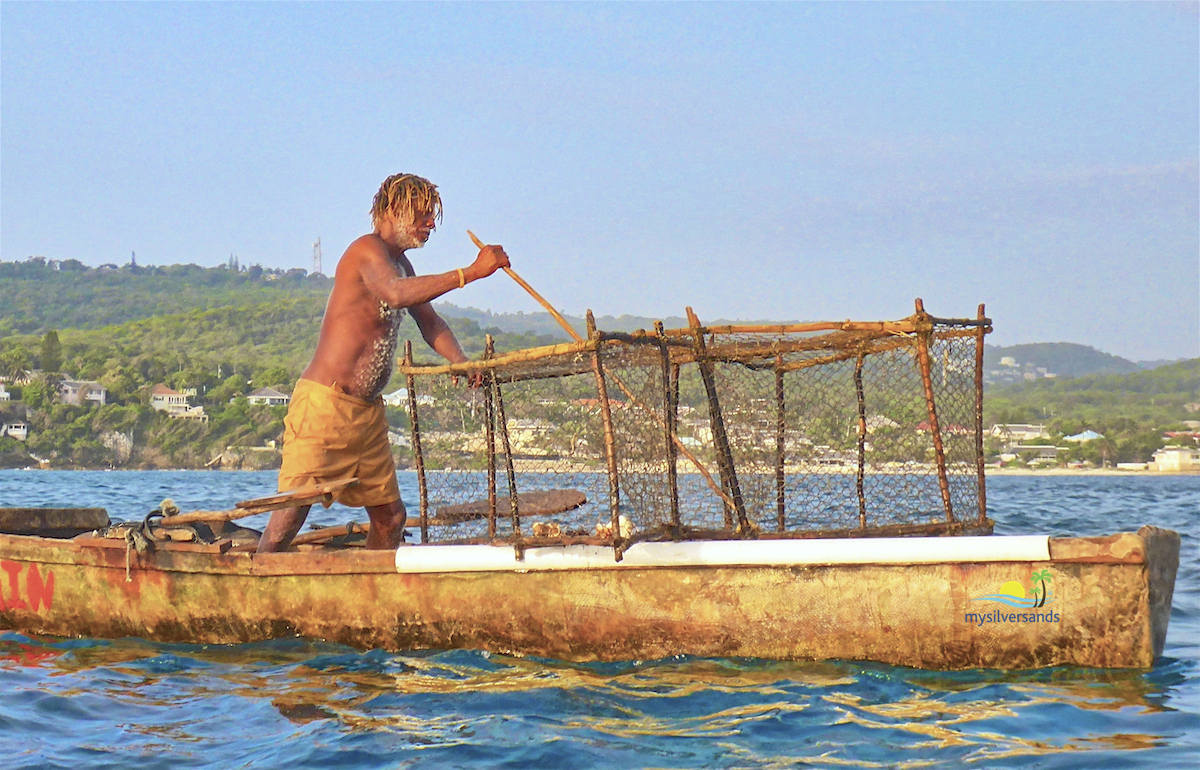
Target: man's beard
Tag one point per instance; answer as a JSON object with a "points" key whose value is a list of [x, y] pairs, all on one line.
{"points": [[411, 239]]}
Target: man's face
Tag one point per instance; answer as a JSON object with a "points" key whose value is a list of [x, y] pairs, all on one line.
{"points": [[412, 233]]}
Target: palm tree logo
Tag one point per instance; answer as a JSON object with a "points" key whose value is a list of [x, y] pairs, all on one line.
{"points": [[1040, 576]]}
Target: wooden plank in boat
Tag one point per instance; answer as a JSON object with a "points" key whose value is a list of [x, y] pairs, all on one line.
{"points": [[118, 543], [544, 503], [293, 498], [314, 493], [52, 522], [221, 546]]}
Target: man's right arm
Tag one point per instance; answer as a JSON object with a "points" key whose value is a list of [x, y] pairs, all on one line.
{"points": [[381, 278]]}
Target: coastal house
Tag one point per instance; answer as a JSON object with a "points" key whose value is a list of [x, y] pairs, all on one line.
{"points": [[1080, 438], [18, 430], [190, 413], [269, 397], [1037, 454], [4, 394], [528, 436], [82, 393], [165, 399], [878, 422], [699, 430], [827, 455], [1176, 459], [399, 398], [1011, 434], [175, 404], [22, 378]]}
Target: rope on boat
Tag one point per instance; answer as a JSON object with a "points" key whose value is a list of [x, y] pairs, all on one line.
{"points": [[136, 539], [141, 536]]}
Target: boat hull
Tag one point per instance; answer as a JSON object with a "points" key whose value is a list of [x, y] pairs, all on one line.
{"points": [[1107, 604]]}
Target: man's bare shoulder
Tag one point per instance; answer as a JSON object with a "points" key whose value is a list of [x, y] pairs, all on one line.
{"points": [[366, 247], [366, 255]]}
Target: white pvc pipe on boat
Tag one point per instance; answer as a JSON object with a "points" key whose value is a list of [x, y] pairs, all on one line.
{"points": [[727, 553]]}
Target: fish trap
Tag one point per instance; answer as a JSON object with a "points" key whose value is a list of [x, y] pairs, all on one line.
{"points": [[802, 430]]}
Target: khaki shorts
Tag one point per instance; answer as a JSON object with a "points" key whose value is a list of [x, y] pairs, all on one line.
{"points": [[329, 435]]}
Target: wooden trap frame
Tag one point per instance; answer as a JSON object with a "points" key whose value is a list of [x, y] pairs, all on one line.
{"points": [[771, 431]]}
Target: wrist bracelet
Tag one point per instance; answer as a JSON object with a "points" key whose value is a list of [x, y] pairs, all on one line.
{"points": [[462, 277]]}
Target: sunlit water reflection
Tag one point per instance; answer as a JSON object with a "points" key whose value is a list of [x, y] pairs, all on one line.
{"points": [[297, 703]]}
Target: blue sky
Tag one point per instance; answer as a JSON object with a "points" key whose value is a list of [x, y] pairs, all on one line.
{"points": [[787, 161]]}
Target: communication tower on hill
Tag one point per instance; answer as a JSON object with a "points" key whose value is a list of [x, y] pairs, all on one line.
{"points": [[317, 256]]}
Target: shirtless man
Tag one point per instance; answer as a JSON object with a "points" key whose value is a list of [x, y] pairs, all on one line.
{"points": [[335, 425]]}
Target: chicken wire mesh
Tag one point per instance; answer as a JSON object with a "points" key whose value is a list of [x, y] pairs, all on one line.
{"points": [[868, 429]]}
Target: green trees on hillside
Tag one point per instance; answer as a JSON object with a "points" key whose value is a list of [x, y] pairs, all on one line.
{"points": [[1132, 411], [1154, 398], [40, 294], [227, 333], [51, 357]]}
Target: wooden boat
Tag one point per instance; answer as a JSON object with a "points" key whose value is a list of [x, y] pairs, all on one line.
{"points": [[905, 601], [846, 518]]}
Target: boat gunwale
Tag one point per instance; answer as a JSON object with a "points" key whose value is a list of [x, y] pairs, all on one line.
{"points": [[1119, 548]]}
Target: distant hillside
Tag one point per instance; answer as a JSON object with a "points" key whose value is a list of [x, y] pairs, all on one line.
{"points": [[1163, 396], [266, 342], [1064, 359], [40, 295], [1158, 362], [544, 323], [227, 330]]}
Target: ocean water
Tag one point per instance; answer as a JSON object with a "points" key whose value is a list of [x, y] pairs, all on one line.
{"points": [[92, 703]]}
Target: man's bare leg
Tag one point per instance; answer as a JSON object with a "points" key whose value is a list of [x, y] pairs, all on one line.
{"points": [[282, 527], [387, 525]]}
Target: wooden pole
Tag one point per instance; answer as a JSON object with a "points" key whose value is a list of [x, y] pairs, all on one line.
{"points": [[862, 441], [490, 419], [780, 437], [293, 498], [418, 456], [541, 300], [502, 424], [720, 439], [891, 327], [934, 429], [191, 517], [610, 444], [670, 406], [325, 534], [593, 344], [981, 330], [742, 352], [504, 359]]}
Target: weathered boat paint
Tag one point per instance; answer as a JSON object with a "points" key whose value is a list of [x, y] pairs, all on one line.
{"points": [[1108, 606]]}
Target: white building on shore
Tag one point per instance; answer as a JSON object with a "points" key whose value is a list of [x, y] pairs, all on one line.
{"points": [[175, 404], [1176, 459]]}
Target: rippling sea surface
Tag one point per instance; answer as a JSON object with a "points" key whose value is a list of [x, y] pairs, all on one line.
{"points": [[92, 703]]}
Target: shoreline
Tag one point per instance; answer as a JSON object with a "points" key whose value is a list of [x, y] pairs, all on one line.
{"points": [[1083, 472], [575, 468]]}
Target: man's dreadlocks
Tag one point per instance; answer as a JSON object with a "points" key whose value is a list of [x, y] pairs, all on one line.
{"points": [[406, 195]]}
